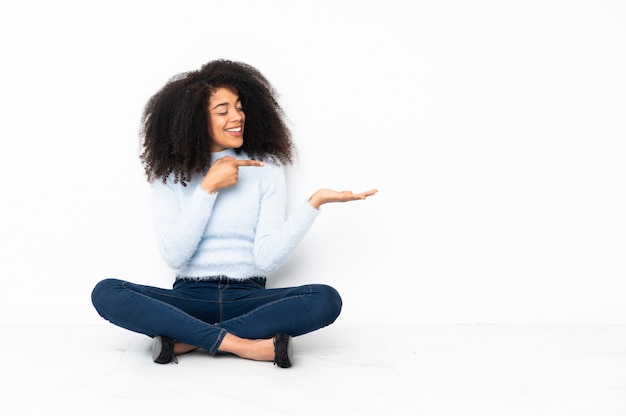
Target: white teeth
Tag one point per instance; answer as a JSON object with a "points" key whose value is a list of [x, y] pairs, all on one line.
{"points": [[235, 130]]}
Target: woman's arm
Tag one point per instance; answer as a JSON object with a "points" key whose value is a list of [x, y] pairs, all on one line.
{"points": [[276, 237], [179, 229]]}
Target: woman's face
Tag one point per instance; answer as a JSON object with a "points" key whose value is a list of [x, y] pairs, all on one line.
{"points": [[226, 119]]}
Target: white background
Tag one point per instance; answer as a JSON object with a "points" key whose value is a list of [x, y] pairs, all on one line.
{"points": [[494, 131]]}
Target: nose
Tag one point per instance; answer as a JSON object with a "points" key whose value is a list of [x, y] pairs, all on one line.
{"points": [[235, 116]]}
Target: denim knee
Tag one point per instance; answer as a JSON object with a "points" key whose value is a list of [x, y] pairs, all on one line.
{"points": [[331, 301], [101, 294]]}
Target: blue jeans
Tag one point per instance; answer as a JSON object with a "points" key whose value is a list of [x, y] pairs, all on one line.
{"points": [[202, 312]]}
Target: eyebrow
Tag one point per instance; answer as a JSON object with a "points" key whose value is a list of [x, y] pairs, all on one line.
{"points": [[219, 105], [225, 103]]}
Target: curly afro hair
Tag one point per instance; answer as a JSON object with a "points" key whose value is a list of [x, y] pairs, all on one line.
{"points": [[174, 130]]}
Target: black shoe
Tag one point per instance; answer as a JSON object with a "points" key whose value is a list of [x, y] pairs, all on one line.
{"points": [[163, 350], [283, 350]]}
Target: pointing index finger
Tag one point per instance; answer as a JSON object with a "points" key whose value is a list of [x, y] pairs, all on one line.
{"points": [[248, 162]]}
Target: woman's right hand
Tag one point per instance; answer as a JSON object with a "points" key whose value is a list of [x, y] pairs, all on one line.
{"points": [[224, 173]]}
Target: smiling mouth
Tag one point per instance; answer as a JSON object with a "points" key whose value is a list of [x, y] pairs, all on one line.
{"points": [[234, 130]]}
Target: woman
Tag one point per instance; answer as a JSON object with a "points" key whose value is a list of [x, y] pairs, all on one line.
{"points": [[214, 144]]}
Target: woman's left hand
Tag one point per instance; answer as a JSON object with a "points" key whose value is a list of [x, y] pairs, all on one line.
{"points": [[324, 196]]}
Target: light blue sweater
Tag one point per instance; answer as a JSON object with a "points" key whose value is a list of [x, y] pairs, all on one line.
{"points": [[238, 232]]}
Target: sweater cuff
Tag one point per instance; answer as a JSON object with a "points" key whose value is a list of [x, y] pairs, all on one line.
{"points": [[201, 197], [309, 209]]}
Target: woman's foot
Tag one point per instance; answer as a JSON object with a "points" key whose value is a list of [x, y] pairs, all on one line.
{"points": [[165, 349], [277, 349], [260, 349], [183, 348], [283, 350]]}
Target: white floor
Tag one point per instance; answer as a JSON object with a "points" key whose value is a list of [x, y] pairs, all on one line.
{"points": [[340, 370]]}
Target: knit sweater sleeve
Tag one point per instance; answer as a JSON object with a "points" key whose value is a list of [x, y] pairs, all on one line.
{"points": [[179, 228], [276, 236]]}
